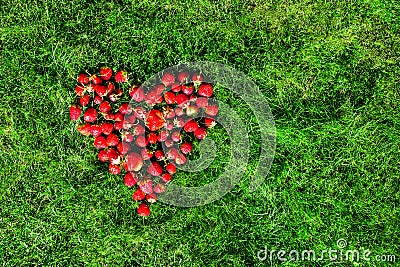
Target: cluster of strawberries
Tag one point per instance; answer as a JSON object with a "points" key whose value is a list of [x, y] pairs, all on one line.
{"points": [[149, 133]]}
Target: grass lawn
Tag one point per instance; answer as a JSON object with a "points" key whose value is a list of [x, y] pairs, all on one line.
{"points": [[328, 69]]}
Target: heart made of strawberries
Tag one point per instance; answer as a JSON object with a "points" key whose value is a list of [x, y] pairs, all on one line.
{"points": [[146, 133]]}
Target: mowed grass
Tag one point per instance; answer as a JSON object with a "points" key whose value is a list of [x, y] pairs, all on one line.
{"points": [[328, 69]]}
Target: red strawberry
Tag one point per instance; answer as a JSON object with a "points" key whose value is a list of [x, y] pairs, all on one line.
{"points": [[168, 79], [205, 90], [100, 142], [125, 108], [84, 129], [159, 155], [162, 136], [74, 112], [170, 98], [180, 159], [169, 143], [139, 112], [176, 136], [155, 120], [121, 76], [197, 78], [119, 92], [146, 154], [166, 177], [172, 153], [123, 148], [89, 88], [209, 122], [170, 126], [143, 210], [118, 125], [130, 179], [176, 87], [202, 102], [192, 111], [138, 130], [170, 167], [137, 93], [112, 140], [154, 169], [127, 137], [183, 76], [114, 169], [113, 156], [152, 138], [118, 116], [103, 155], [83, 78], [113, 98], [141, 141], [107, 128], [212, 110], [96, 130], [80, 90], [169, 113], [110, 87], [186, 148], [187, 89], [146, 184], [84, 100], [95, 79], [133, 162], [179, 111], [97, 99], [104, 107], [159, 188], [200, 133], [109, 116], [138, 195], [100, 90], [193, 97], [191, 126], [182, 99], [106, 73], [151, 198]]}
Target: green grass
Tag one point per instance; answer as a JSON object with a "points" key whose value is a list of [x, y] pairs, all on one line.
{"points": [[329, 70]]}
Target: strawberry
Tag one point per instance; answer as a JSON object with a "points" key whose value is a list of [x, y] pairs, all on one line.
{"points": [[113, 98], [100, 142], [130, 179], [89, 88], [180, 159], [187, 89], [97, 99], [151, 198], [169, 143], [200, 133], [118, 116], [74, 112], [96, 130], [80, 90], [193, 97], [179, 112], [106, 73], [146, 154], [113, 156], [133, 162], [146, 184], [183, 76], [152, 138], [118, 125], [176, 87], [100, 90], [119, 92], [121, 76], [103, 155], [205, 90], [182, 99], [84, 129], [197, 78], [171, 168], [143, 210], [84, 100], [110, 87], [114, 169], [159, 155], [109, 116], [139, 112], [138, 130], [112, 140], [162, 136], [192, 111], [127, 137], [95, 79], [172, 153], [191, 126], [83, 78], [137, 94], [138, 195], [212, 110], [141, 141], [166, 177], [186, 148], [209, 122], [170, 98], [168, 79], [123, 148], [104, 107], [154, 169], [169, 113], [176, 136], [201, 102], [169, 126], [90, 115], [155, 120], [125, 108], [159, 188]]}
